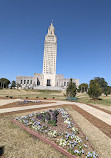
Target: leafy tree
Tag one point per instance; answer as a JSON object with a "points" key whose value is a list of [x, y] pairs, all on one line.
{"points": [[4, 83], [13, 84], [71, 89], [107, 90], [95, 89], [101, 81], [18, 85], [83, 87]]}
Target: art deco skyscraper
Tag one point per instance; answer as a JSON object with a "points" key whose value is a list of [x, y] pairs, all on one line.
{"points": [[50, 52], [49, 76]]}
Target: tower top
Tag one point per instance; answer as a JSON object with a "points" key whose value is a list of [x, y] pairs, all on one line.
{"points": [[51, 30], [52, 22]]}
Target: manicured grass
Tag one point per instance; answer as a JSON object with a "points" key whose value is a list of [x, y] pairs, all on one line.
{"points": [[32, 93], [103, 100], [18, 143]]}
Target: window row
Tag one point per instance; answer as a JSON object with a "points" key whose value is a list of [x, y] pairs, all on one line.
{"points": [[26, 82], [66, 83]]}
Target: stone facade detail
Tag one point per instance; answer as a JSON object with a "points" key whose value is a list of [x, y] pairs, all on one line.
{"points": [[49, 76], [49, 60], [50, 52]]}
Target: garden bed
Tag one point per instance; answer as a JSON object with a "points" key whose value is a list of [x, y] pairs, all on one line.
{"points": [[23, 103], [57, 128]]}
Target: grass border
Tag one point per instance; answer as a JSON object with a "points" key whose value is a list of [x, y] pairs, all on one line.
{"points": [[32, 132]]}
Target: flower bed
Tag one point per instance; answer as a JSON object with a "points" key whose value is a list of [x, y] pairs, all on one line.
{"points": [[28, 101], [58, 127]]}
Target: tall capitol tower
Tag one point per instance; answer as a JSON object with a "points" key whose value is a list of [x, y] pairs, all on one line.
{"points": [[48, 79], [50, 55]]}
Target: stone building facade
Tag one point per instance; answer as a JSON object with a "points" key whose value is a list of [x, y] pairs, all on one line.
{"points": [[48, 78]]}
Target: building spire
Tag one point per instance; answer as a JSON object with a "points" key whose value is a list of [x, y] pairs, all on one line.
{"points": [[52, 22]]}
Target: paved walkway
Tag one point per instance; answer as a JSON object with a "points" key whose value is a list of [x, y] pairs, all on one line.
{"points": [[5, 110], [95, 112], [7, 101]]}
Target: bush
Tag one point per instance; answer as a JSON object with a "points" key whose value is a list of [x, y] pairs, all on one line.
{"points": [[71, 89], [107, 90], [83, 87], [50, 117], [94, 90], [52, 122]]}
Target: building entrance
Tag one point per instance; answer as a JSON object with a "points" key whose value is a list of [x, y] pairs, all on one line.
{"points": [[48, 82], [38, 82]]}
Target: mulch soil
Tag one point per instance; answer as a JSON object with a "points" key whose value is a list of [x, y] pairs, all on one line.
{"points": [[104, 127], [29, 98], [96, 107], [20, 104], [42, 99]]}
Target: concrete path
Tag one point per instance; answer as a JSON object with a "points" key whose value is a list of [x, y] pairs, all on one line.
{"points": [[95, 112], [7, 101], [5, 110]]}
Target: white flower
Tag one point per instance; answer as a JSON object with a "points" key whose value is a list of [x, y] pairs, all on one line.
{"points": [[62, 142], [74, 129], [67, 121], [52, 133]]}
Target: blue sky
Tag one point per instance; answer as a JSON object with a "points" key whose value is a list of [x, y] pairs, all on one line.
{"points": [[82, 27]]}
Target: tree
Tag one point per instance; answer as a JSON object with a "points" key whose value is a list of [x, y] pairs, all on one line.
{"points": [[18, 85], [83, 87], [13, 84], [4, 83], [107, 90], [71, 89], [95, 89], [101, 81]]}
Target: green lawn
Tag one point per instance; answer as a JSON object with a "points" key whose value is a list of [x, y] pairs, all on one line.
{"points": [[103, 100], [32, 93], [82, 97], [20, 144]]}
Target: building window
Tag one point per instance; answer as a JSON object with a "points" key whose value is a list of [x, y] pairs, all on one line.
{"points": [[67, 83], [64, 83], [30, 81], [27, 81], [48, 82], [38, 82], [24, 81], [21, 81]]}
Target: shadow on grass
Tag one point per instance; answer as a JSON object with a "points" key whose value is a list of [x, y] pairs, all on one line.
{"points": [[2, 148], [96, 99]]}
